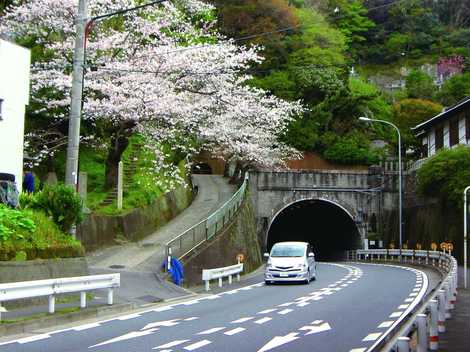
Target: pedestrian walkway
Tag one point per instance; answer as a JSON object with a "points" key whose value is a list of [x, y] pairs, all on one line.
{"points": [[458, 326], [139, 263]]}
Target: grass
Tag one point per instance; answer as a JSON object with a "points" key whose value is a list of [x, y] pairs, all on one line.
{"points": [[65, 310]]}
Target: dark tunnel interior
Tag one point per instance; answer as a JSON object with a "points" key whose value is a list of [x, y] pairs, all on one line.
{"points": [[326, 226]]}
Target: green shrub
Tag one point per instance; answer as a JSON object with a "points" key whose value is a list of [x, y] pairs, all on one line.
{"points": [[30, 234], [60, 202]]}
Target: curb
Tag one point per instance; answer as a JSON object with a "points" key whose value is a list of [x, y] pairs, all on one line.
{"points": [[58, 319]]}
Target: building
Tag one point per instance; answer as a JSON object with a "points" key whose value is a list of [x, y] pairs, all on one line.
{"points": [[446, 130], [14, 96]]}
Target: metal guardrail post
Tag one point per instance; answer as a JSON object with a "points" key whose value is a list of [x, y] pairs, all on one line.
{"points": [[433, 326]]}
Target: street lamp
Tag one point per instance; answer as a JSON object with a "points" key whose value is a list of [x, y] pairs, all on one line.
{"points": [[465, 236], [400, 206]]}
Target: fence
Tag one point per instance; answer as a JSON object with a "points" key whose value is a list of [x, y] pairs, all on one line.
{"points": [[427, 318], [52, 287], [192, 238]]}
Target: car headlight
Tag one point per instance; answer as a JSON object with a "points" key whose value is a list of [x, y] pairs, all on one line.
{"points": [[269, 265]]}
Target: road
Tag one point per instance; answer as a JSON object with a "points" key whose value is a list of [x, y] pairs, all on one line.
{"points": [[347, 308]]}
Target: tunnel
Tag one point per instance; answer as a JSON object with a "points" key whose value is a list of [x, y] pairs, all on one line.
{"points": [[328, 227]]}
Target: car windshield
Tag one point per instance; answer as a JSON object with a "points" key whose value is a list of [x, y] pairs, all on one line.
{"points": [[288, 251]]}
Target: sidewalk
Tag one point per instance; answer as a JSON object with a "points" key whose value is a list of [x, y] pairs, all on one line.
{"points": [[139, 263], [455, 338]]}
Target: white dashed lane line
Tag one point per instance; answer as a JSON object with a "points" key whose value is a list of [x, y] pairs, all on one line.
{"points": [[197, 345], [242, 320], [263, 320], [372, 337], [234, 331]]}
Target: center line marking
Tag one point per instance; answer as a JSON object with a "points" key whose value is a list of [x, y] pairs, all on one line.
{"points": [[372, 337], [263, 320], [266, 311], [234, 331], [386, 324], [242, 320], [211, 331], [197, 345]]}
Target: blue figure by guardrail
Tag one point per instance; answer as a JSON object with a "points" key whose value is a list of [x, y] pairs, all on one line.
{"points": [[175, 269]]}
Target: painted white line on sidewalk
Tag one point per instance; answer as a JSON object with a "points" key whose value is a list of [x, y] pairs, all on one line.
{"points": [[234, 331], [197, 345]]}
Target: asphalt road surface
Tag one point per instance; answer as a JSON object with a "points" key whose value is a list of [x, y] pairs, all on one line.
{"points": [[348, 308]]}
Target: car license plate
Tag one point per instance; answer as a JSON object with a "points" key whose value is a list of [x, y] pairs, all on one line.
{"points": [[284, 275]]}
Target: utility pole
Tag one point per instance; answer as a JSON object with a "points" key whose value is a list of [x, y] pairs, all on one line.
{"points": [[71, 170]]}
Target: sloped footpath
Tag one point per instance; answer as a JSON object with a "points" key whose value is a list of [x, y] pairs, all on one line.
{"points": [[458, 326], [139, 263]]}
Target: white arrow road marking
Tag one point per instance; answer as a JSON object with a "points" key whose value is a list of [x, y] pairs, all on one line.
{"points": [[279, 341], [170, 344], [234, 331], [242, 320], [316, 327], [33, 338], [196, 345], [127, 336], [166, 323], [210, 331]]}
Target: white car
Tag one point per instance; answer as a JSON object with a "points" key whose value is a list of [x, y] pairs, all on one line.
{"points": [[290, 261]]}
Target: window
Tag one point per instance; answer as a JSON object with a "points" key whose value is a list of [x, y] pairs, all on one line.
{"points": [[1, 105], [439, 133], [454, 132]]}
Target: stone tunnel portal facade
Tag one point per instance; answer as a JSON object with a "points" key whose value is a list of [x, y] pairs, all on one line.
{"points": [[326, 225]]}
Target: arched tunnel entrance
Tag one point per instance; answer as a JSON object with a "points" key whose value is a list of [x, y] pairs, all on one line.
{"points": [[328, 227]]}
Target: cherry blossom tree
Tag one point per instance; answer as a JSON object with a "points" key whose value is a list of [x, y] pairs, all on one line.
{"points": [[162, 71]]}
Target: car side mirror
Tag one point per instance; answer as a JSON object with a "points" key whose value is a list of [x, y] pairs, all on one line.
{"points": [[266, 255], [311, 255]]}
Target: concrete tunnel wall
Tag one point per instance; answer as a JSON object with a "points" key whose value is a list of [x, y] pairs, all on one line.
{"points": [[327, 226]]}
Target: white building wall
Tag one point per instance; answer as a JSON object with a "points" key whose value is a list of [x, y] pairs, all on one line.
{"points": [[446, 135], [14, 91], [462, 137]]}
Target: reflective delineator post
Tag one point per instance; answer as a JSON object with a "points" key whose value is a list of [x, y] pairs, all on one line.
{"points": [[51, 304], [421, 320], [433, 327], [441, 312], [447, 298], [83, 299], [403, 344], [110, 296]]}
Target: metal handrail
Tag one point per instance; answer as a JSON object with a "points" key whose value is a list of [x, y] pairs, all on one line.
{"points": [[182, 245]]}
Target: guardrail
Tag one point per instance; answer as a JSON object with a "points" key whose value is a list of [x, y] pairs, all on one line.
{"points": [[220, 273], [52, 287], [426, 319], [196, 235]]}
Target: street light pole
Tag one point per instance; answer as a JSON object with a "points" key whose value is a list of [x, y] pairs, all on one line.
{"points": [[400, 187], [84, 26], [465, 236]]}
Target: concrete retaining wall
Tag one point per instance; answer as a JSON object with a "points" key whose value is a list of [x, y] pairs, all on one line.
{"points": [[100, 230], [238, 237]]}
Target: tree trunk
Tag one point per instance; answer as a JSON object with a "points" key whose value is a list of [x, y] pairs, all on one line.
{"points": [[119, 143]]}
